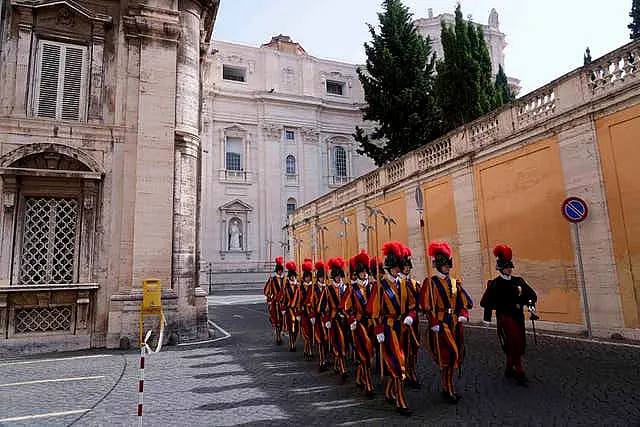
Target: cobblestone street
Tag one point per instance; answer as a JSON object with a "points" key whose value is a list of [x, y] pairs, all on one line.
{"points": [[245, 379]]}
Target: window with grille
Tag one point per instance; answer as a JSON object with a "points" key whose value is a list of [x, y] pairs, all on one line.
{"points": [[233, 150], [49, 237], [289, 135], [335, 88], [234, 74], [61, 76], [291, 165], [339, 161], [291, 205]]}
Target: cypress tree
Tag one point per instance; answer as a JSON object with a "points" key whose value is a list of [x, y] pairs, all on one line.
{"points": [[503, 91], [634, 26]]}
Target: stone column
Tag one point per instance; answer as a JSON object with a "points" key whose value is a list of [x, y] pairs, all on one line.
{"points": [[4, 316], [583, 178], [87, 231], [468, 244], [97, 73], [24, 17], [9, 201]]}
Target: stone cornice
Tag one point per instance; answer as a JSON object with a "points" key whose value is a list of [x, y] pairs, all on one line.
{"points": [[82, 10], [147, 22], [289, 99]]}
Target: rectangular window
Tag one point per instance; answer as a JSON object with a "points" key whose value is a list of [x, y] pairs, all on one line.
{"points": [[233, 150], [291, 207], [60, 81], [289, 135], [49, 237], [335, 88], [234, 74]]}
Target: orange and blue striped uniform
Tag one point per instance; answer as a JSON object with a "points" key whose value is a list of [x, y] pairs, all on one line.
{"points": [[272, 290], [304, 311], [411, 343], [322, 311], [290, 300], [335, 291]]}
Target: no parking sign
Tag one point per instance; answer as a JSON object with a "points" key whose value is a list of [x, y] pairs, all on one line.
{"points": [[574, 209]]}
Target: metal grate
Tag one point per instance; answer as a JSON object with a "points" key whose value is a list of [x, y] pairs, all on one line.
{"points": [[43, 319], [49, 240]]}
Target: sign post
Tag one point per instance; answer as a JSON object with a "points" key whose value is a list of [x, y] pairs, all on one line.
{"points": [[575, 210]]}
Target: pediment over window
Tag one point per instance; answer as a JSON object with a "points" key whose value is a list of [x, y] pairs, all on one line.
{"points": [[73, 6], [235, 130], [51, 161], [236, 206]]}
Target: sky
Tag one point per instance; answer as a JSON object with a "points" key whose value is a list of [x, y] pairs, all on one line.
{"points": [[545, 38]]}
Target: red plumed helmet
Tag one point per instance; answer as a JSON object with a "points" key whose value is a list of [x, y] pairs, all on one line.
{"points": [[291, 266], [361, 258], [280, 261], [336, 262], [320, 265], [504, 252], [393, 248], [406, 252], [439, 248], [373, 261], [307, 265]]}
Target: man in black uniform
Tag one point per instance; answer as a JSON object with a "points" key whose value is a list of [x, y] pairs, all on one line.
{"points": [[507, 295]]}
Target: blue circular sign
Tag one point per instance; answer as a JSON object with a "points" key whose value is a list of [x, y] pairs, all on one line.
{"points": [[574, 209]]}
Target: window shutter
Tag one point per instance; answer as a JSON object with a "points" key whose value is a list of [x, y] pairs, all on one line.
{"points": [[49, 77], [72, 86]]}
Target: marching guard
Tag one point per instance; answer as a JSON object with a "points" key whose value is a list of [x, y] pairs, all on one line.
{"points": [[305, 310], [354, 305], [507, 295], [391, 309], [446, 304], [320, 315], [272, 290], [290, 304], [333, 322], [412, 346]]}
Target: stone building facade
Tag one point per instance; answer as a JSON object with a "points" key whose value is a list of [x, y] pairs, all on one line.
{"points": [[502, 179], [278, 132], [494, 38], [99, 167]]}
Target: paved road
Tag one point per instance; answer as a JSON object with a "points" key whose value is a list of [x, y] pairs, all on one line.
{"points": [[244, 379]]}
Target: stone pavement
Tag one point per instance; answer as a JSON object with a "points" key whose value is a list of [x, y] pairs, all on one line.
{"points": [[245, 379]]}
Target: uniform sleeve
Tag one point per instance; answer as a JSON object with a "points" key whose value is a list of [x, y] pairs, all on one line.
{"points": [[412, 300], [467, 302], [429, 302], [528, 293], [267, 291], [374, 304], [487, 301]]}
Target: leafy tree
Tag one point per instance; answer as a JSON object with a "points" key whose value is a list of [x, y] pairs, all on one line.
{"points": [[635, 20], [503, 91], [398, 83]]}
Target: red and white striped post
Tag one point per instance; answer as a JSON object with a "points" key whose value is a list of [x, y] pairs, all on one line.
{"points": [[141, 384]]}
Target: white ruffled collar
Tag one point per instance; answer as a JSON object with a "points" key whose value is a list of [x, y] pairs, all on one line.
{"points": [[505, 277]]}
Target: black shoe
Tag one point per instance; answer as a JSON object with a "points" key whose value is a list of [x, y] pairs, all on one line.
{"points": [[509, 373], [390, 400], [414, 385], [322, 368], [292, 349], [451, 398], [344, 377], [404, 411], [279, 342], [522, 380], [370, 394]]}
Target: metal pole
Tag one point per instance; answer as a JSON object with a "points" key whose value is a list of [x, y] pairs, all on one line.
{"points": [[585, 300], [210, 277]]}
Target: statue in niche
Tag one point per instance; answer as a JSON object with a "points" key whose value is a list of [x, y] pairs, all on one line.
{"points": [[235, 236]]}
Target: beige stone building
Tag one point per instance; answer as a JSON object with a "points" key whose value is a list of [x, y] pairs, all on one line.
{"points": [[99, 167], [502, 179], [277, 133]]}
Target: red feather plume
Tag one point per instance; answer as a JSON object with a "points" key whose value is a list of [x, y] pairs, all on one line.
{"points": [[503, 252], [406, 252], [320, 265], [336, 262], [373, 261], [396, 248], [362, 258], [291, 266], [439, 248], [279, 261], [307, 265]]}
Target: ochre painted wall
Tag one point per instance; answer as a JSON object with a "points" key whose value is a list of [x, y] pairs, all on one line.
{"points": [[339, 246], [305, 250], [393, 206], [619, 145], [440, 218], [519, 196]]}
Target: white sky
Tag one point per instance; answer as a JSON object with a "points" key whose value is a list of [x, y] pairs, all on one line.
{"points": [[546, 38]]}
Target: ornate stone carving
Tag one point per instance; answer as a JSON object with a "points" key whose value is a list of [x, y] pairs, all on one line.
{"points": [[310, 135], [273, 131], [65, 16]]}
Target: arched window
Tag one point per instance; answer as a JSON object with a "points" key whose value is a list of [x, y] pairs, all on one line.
{"points": [[339, 161], [235, 241], [291, 205], [291, 165]]}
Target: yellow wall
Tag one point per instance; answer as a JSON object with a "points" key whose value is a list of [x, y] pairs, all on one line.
{"points": [[440, 218], [519, 198], [394, 206], [336, 244], [619, 152], [306, 249]]}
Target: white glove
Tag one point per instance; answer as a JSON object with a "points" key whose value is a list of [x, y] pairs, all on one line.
{"points": [[408, 320], [313, 321], [485, 323], [328, 324], [532, 309], [353, 325], [435, 328], [462, 319], [380, 337], [298, 318], [283, 312]]}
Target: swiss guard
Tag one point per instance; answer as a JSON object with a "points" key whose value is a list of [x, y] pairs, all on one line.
{"points": [[354, 305], [446, 304], [507, 295], [391, 309], [321, 314], [412, 347], [290, 303], [305, 309], [272, 290], [334, 323]]}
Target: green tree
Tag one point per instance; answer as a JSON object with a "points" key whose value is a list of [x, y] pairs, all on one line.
{"points": [[398, 83], [635, 20], [464, 85], [503, 91]]}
